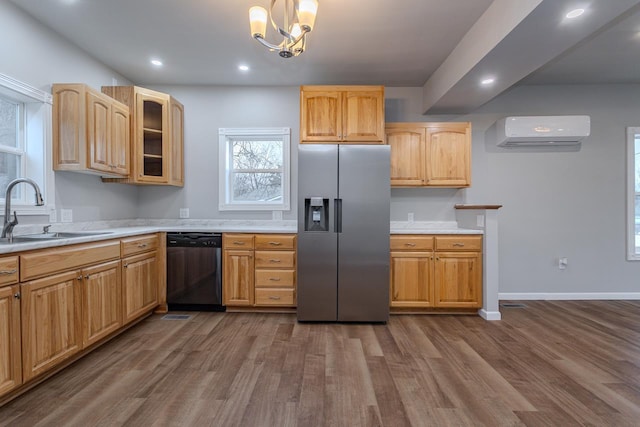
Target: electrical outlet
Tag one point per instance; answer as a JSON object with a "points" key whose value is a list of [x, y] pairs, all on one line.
{"points": [[53, 217], [184, 213], [562, 263], [66, 215], [276, 215], [480, 220], [410, 217]]}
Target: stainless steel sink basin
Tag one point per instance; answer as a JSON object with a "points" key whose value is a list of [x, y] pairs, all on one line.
{"points": [[25, 238]]}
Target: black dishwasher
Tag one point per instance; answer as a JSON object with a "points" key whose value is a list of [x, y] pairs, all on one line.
{"points": [[194, 271]]}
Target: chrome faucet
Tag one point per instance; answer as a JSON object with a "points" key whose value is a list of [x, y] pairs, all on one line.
{"points": [[7, 229]]}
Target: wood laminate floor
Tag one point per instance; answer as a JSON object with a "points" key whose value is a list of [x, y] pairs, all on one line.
{"points": [[549, 364]]}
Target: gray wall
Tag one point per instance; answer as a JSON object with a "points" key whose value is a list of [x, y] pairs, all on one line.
{"points": [[36, 56]]}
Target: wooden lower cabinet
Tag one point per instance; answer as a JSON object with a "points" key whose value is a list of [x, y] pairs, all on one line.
{"points": [[443, 271], [259, 270], [458, 279], [139, 285], [101, 301], [238, 277], [10, 346], [51, 321], [411, 279]]}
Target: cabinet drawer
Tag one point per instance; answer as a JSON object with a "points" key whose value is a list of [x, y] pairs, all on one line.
{"points": [[459, 243], [276, 241], [275, 259], [237, 241], [8, 270], [411, 242], [136, 245], [274, 296], [275, 278], [48, 261]]}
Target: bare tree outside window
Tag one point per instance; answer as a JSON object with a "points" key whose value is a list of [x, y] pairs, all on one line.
{"points": [[254, 168], [257, 170]]}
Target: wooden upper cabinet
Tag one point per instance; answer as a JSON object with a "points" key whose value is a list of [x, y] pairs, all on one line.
{"points": [[90, 131], [407, 154], [430, 154], [448, 155], [157, 131], [342, 114], [176, 127]]}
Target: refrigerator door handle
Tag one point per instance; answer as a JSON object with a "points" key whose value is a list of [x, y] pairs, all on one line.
{"points": [[337, 223]]}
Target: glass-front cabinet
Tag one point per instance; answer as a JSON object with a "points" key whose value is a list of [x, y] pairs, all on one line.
{"points": [[157, 133]]}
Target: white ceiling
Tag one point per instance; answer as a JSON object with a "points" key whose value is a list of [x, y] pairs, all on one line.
{"points": [[444, 45]]}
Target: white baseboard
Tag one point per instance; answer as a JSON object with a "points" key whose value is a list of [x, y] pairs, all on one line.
{"points": [[490, 315], [570, 296]]}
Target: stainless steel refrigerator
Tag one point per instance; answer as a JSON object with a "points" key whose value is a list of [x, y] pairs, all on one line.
{"points": [[343, 233]]}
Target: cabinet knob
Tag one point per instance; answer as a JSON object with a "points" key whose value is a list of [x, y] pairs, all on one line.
{"points": [[79, 278], [86, 277], [125, 266], [17, 295]]}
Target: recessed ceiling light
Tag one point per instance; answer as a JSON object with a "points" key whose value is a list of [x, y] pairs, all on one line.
{"points": [[487, 81], [574, 13], [156, 62], [243, 67]]}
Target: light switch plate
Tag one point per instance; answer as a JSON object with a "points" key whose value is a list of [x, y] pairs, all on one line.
{"points": [[66, 215], [184, 213]]}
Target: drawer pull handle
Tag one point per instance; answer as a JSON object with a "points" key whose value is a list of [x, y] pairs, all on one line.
{"points": [[275, 260], [238, 243], [458, 244], [7, 272], [274, 297], [275, 243], [274, 279], [410, 244], [143, 245]]}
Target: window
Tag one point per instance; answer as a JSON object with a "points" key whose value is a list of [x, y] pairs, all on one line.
{"points": [[633, 193], [254, 169], [25, 134]]}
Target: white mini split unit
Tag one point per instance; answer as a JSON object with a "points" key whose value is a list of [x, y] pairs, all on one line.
{"points": [[542, 131]]}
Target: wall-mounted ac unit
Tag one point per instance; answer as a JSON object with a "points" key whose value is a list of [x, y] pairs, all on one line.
{"points": [[542, 131]]}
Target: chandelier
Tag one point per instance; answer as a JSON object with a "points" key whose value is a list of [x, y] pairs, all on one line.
{"points": [[298, 17]]}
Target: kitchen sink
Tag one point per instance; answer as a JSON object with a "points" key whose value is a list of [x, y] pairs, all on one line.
{"points": [[39, 237]]}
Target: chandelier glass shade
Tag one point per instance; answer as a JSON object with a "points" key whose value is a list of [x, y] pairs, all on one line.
{"points": [[298, 19]]}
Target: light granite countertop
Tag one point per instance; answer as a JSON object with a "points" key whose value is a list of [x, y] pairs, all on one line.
{"points": [[126, 228]]}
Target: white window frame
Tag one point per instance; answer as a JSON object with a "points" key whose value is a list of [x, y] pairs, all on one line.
{"points": [[633, 254], [36, 110], [225, 137]]}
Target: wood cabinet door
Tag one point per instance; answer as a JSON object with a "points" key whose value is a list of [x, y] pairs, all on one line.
{"points": [[458, 279], [411, 279], [152, 137], [320, 116], [238, 276], [448, 155], [51, 321], [139, 285], [176, 160], [10, 348], [99, 131], [69, 127], [120, 140], [407, 155], [102, 301], [363, 116]]}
